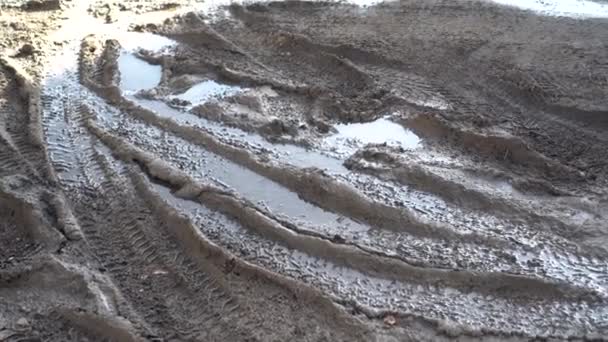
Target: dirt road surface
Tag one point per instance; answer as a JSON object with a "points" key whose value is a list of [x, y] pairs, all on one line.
{"points": [[303, 171]]}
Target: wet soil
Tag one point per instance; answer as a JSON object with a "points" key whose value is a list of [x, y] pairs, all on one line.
{"points": [[308, 171]]}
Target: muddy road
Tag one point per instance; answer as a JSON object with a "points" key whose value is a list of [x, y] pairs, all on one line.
{"points": [[307, 171]]}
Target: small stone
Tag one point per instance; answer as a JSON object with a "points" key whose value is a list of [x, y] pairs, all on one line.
{"points": [[390, 320], [23, 324]]}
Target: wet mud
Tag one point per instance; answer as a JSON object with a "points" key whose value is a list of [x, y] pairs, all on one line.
{"points": [[307, 171]]}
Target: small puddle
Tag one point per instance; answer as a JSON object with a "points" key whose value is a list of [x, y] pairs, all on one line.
{"points": [[137, 74], [206, 90], [276, 199], [566, 8], [291, 154], [351, 137]]}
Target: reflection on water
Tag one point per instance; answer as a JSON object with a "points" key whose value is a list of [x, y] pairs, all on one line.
{"points": [[567, 8]]}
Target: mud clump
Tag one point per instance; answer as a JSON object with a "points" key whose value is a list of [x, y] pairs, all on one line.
{"points": [[42, 5]]}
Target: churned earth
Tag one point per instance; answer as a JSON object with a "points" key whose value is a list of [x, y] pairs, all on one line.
{"points": [[308, 171]]}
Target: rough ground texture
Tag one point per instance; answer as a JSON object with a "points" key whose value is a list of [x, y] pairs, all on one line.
{"points": [[181, 172]]}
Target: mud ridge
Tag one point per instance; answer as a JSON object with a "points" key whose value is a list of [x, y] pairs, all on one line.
{"points": [[389, 268], [28, 214], [29, 139], [418, 176], [195, 243], [311, 185], [205, 36], [97, 66], [249, 15], [503, 148]]}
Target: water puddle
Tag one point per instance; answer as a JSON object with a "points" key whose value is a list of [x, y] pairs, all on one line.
{"points": [[351, 137], [566, 8], [291, 154], [206, 90], [205, 166], [137, 74]]}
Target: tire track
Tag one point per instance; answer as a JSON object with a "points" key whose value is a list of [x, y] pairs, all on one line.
{"points": [[189, 225], [410, 249], [183, 300], [330, 278], [178, 179]]}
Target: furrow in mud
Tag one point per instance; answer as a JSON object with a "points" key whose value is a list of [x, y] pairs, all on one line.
{"points": [[385, 243], [354, 258], [395, 214], [205, 290], [498, 146], [345, 234], [465, 186], [330, 277], [311, 185], [204, 193], [246, 273]]}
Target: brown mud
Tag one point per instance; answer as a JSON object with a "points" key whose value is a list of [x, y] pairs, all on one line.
{"points": [[309, 171]]}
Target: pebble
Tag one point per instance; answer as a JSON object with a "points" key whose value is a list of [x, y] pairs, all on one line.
{"points": [[23, 323]]}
